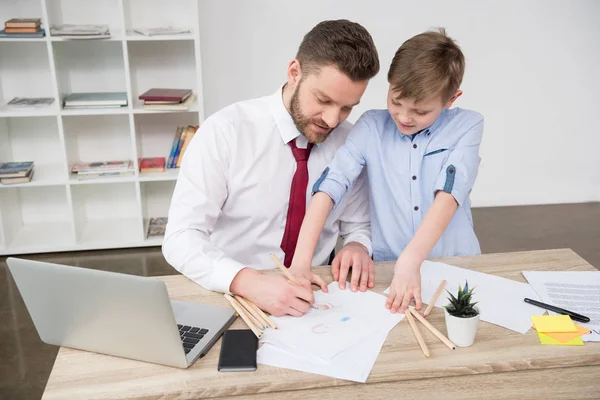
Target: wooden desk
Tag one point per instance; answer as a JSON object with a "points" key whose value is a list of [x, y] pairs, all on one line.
{"points": [[501, 364]]}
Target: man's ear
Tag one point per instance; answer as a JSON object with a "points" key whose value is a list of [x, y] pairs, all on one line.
{"points": [[294, 73], [453, 98]]}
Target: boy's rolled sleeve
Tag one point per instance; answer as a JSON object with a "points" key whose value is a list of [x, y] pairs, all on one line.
{"points": [[347, 164], [458, 174]]}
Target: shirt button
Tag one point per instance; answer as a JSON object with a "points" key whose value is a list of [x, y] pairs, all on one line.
{"points": [[416, 208], [451, 170], [414, 146], [414, 178]]}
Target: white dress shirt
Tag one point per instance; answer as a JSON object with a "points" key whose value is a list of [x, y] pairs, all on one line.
{"points": [[230, 203]]}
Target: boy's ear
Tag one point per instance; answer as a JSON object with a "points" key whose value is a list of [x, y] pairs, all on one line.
{"points": [[453, 98], [294, 73]]}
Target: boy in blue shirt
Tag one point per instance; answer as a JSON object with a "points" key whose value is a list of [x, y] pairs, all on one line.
{"points": [[422, 160]]}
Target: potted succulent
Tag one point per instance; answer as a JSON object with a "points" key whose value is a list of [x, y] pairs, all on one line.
{"points": [[462, 317]]}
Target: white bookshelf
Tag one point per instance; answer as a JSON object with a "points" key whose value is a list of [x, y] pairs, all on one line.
{"points": [[55, 211]]}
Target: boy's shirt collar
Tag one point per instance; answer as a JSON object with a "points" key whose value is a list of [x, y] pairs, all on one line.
{"points": [[431, 129]]}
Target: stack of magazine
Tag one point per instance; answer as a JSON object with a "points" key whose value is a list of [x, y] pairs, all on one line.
{"points": [[95, 100], [92, 170], [29, 102], [69, 31], [16, 172]]}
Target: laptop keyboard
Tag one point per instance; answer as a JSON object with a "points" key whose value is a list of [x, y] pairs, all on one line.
{"points": [[190, 336]]}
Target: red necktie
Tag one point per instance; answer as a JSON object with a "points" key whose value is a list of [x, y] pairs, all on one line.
{"points": [[297, 207]]}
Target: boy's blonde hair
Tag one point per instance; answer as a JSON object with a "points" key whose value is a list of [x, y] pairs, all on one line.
{"points": [[427, 65]]}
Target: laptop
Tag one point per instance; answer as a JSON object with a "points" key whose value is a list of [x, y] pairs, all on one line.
{"points": [[116, 314]]}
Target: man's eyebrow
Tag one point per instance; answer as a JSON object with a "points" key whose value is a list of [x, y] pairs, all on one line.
{"points": [[321, 94]]}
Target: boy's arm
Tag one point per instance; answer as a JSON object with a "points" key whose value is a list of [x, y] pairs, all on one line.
{"points": [[329, 191], [452, 186]]}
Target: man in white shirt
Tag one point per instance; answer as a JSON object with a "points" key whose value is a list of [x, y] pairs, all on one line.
{"points": [[248, 174]]}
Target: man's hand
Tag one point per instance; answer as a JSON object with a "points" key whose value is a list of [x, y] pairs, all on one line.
{"points": [[354, 255], [273, 293], [405, 286]]}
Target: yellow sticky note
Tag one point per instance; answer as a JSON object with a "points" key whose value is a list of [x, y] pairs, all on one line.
{"points": [[566, 336], [553, 323], [545, 339]]}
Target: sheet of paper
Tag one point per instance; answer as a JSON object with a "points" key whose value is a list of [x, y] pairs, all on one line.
{"points": [[553, 323], [577, 291], [567, 336], [353, 364], [500, 300], [340, 319], [547, 339]]}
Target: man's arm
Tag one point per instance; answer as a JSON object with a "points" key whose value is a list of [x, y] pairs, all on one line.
{"points": [[199, 194]]}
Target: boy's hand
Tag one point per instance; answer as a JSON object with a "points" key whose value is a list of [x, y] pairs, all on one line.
{"points": [[306, 277], [354, 255], [405, 286]]}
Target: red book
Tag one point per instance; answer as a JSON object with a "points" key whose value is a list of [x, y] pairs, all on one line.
{"points": [[166, 94], [155, 164]]}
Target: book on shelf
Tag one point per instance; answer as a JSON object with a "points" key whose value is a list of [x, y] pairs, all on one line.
{"points": [[161, 30], [23, 23], [23, 179], [95, 100], [23, 28], [102, 166], [103, 174], [30, 102], [168, 95], [73, 31], [170, 106], [18, 169], [182, 138], [23, 35], [156, 227], [152, 164]]}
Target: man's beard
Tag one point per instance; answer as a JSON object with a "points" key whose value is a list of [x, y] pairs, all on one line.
{"points": [[303, 123]]}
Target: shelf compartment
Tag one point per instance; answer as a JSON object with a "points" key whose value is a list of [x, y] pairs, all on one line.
{"points": [[25, 73], [105, 12], [106, 214], [37, 140], [156, 199], [97, 138], [36, 217], [89, 66], [161, 64]]}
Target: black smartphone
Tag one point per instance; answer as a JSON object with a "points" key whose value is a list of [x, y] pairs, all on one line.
{"points": [[238, 351]]}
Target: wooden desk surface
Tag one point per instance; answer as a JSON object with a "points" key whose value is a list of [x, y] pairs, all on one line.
{"points": [[501, 364]]}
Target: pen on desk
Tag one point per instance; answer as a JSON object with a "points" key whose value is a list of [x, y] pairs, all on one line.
{"points": [[574, 316]]}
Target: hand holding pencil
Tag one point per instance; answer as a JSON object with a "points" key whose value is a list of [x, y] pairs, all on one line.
{"points": [[306, 275]]}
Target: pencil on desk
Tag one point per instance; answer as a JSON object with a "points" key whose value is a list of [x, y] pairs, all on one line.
{"points": [[417, 332], [244, 315], [283, 269], [255, 320], [264, 316], [432, 329], [436, 295], [246, 304]]}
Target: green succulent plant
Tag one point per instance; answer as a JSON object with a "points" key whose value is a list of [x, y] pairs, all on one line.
{"points": [[461, 306]]}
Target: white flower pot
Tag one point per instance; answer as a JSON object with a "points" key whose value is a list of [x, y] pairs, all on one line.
{"points": [[462, 331]]}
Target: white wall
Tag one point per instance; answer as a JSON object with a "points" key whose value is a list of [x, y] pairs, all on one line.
{"points": [[533, 71]]}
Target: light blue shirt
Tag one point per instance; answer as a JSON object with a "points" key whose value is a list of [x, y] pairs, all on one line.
{"points": [[403, 175]]}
